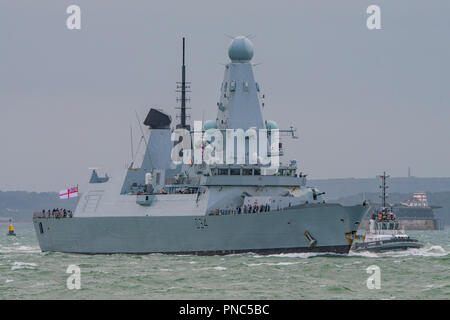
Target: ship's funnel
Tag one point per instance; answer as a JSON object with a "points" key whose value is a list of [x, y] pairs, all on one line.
{"points": [[157, 119]]}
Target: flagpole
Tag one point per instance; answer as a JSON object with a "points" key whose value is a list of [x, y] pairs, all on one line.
{"points": [[78, 195]]}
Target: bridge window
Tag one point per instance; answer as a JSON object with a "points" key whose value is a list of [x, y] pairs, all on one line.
{"points": [[233, 85], [223, 172], [257, 172], [246, 172], [235, 172]]}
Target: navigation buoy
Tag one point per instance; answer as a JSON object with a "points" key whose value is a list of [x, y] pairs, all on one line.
{"points": [[11, 229]]}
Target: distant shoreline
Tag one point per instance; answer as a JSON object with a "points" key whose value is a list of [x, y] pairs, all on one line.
{"points": [[16, 223]]}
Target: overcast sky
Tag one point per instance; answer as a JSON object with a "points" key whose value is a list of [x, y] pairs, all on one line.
{"points": [[363, 101]]}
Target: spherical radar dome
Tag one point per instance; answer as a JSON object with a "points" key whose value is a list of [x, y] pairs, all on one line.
{"points": [[271, 125], [210, 124], [240, 50]]}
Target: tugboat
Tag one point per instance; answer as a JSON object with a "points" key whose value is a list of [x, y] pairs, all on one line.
{"points": [[384, 230], [11, 229]]}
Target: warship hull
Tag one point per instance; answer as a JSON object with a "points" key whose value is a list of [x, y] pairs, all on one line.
{"points": [[330, 227]]}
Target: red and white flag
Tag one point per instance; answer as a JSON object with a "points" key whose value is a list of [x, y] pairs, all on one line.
{"points": [[420, 196], [68, 193]]}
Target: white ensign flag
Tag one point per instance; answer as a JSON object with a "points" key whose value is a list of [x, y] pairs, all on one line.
{"points": [[68, 193]]}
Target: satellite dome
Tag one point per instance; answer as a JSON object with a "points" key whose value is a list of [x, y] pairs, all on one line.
{"points": [[209, 124], [271, 125], [240, 50]]}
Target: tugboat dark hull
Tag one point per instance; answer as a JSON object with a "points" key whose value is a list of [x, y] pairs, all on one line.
{"points": [[386, 245]]}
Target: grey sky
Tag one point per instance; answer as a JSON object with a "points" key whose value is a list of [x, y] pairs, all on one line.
{"points": [[363, 101]]}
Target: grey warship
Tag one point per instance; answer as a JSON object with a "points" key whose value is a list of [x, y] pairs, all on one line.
{"points": [[159, 206]]}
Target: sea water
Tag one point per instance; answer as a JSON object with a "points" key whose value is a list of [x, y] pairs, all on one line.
{"points": [[28, 273]]}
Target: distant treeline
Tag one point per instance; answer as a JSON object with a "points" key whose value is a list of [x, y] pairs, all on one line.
{"points": [[441, 199], [350, 191], [338, 188], [20, 205]]}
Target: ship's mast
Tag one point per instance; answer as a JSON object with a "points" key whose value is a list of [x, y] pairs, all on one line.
{"points": [[384, 187], [183, 87]]}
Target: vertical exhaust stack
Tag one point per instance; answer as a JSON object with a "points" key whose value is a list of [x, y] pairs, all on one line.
{"points": [[183, 88]]}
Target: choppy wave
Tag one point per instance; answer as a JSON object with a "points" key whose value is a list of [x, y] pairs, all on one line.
{"points": [[306, 255], [23, 265], [27, 273], [433, 251], [219, 268], [19, 249], [271, 264]]}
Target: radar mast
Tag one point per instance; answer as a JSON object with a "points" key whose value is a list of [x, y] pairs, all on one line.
{"points": [[384, 187], [183, 87]]}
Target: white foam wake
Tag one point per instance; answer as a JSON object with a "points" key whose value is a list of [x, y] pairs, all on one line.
{"points": [[23, 265], [271, 264], [433, 251], [305, 255], [20, 249]]}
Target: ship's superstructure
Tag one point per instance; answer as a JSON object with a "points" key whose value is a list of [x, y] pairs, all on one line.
{"points": [[233, 204]]}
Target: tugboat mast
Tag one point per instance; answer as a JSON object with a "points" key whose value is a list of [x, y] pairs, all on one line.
{"points": [[384, 187]]}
